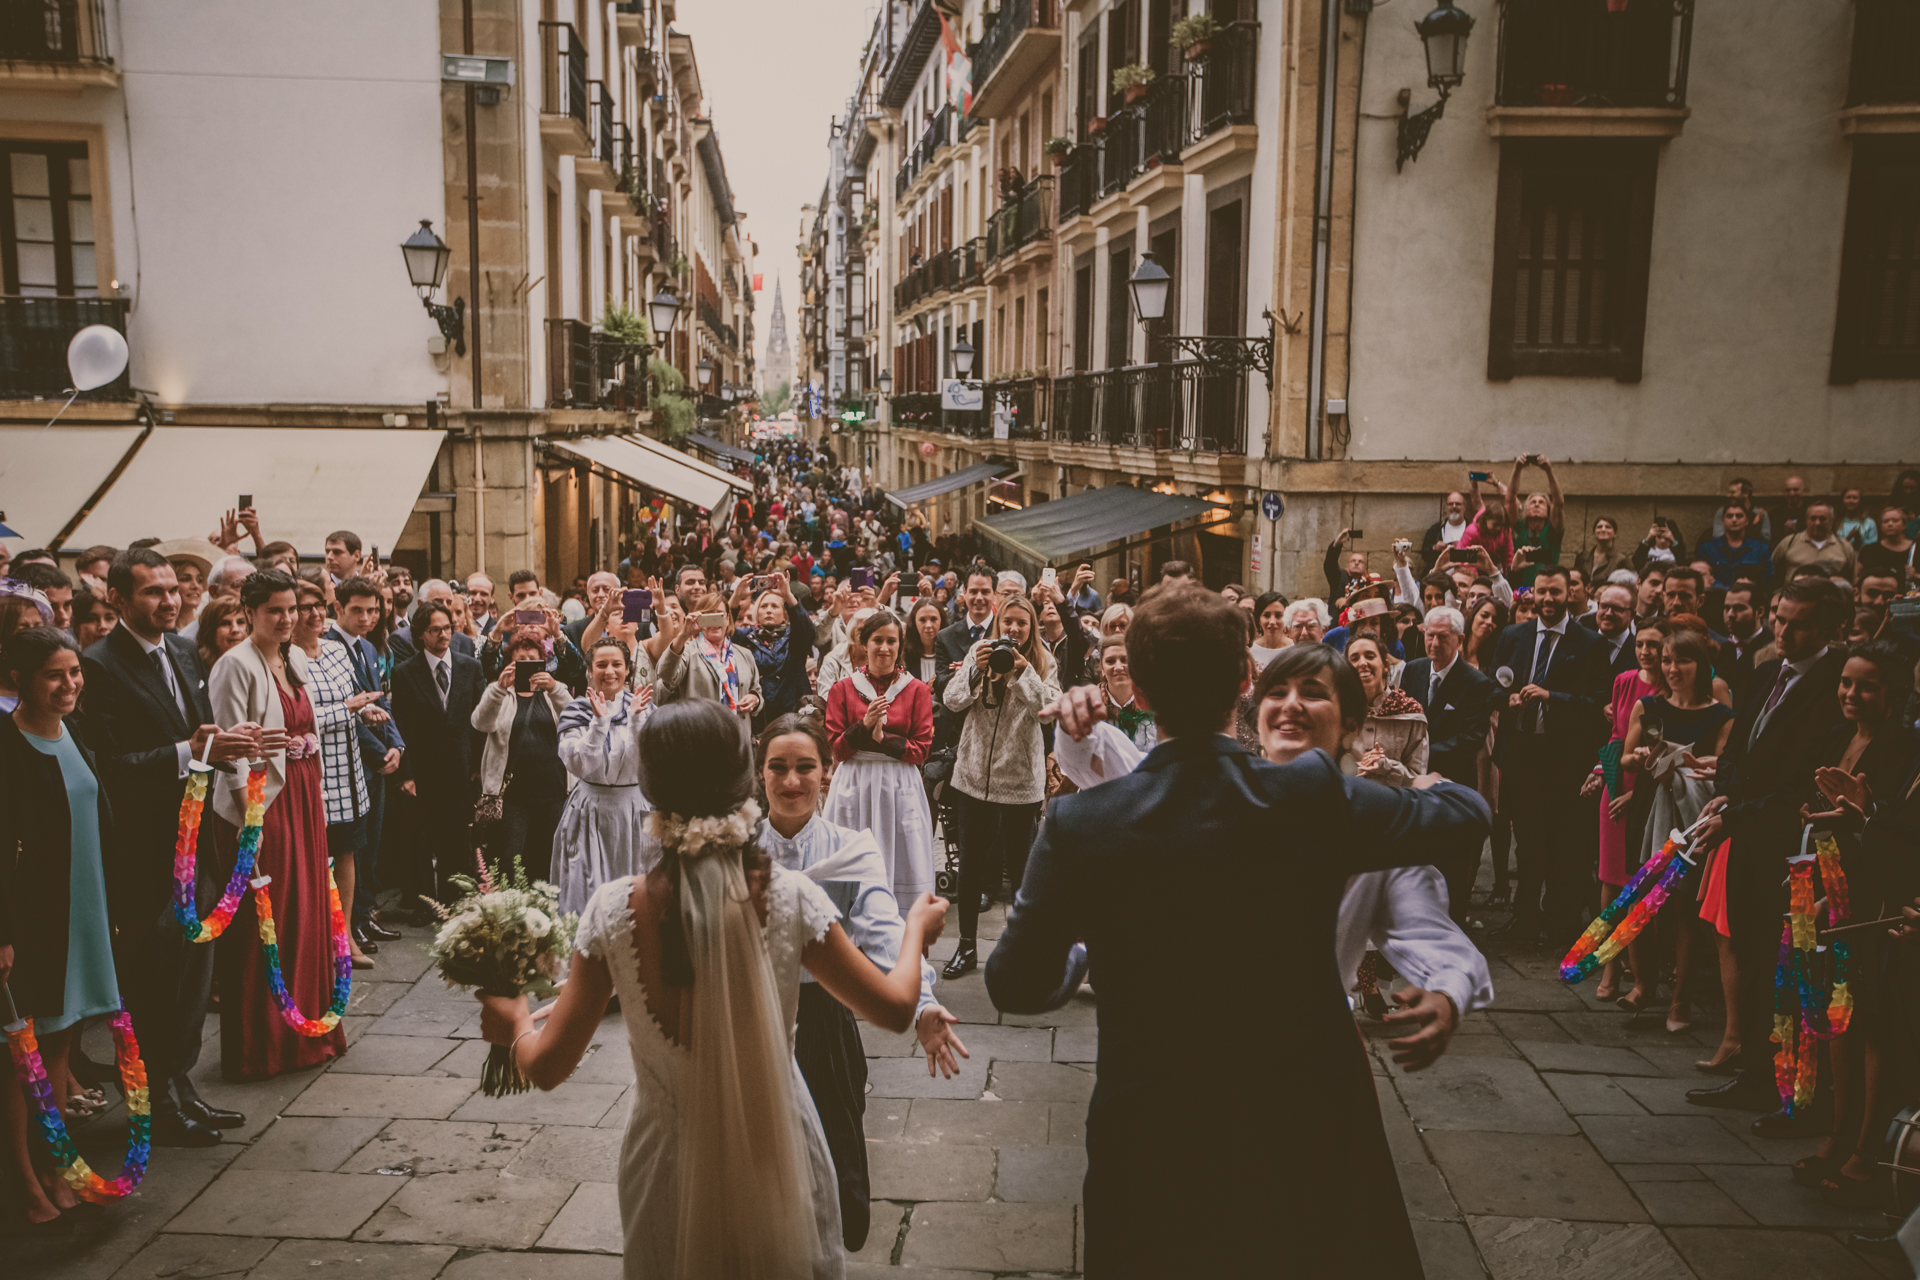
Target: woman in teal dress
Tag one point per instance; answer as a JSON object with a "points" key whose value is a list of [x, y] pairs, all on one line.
{"points": [[56, 954]]}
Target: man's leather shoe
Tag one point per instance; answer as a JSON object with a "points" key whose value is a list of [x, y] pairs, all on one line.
{"points": [[1737, 1094], [364, 941], [179, 1131], [199, 1109], [1778, 1124], [965, 960], [374, 930]]}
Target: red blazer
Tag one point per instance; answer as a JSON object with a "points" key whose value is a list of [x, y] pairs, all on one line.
{"points": [[905, 734]]}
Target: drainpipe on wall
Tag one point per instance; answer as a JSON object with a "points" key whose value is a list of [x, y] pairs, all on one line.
{"points": [[1322, 230]]}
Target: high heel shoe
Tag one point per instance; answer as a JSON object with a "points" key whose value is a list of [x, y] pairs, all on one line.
{"points": [[964, 961], [1718, 1065], [1676, 1025]]}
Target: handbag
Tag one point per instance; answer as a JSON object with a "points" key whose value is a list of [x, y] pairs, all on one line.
{"points": [[489, 809]]}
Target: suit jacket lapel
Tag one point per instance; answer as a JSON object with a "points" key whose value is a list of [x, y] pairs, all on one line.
{"points": [[148, 681], [192, 680]]}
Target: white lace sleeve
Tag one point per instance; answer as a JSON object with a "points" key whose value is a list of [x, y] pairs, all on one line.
{"points": [[815, 912], [607, 917]]}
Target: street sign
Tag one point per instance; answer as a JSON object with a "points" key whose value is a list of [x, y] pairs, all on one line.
{"points": [[960, 394], [1271, 505], [468, 69]]}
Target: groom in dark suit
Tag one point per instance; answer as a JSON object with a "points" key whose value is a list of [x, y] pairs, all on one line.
{"points": [[434, 694], [145, 711], [1201, 867]]}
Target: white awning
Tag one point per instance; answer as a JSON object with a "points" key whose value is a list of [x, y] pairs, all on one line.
{"points": [[48, 473], [652, 464], [306, 483]]}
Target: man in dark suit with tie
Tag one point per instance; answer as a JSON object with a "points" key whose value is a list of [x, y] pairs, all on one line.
{"points": [[381, 749], [1555, 675], [434, 694], [1458, 701], [146, 713], [1194, 1104], [403, 644], [951, 644], [1763, 777]]}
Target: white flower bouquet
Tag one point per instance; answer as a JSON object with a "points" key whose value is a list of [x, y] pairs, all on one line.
{"points": [[505, 937]]}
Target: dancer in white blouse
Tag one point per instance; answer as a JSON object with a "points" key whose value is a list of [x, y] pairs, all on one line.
{"points": [[603, 832]]}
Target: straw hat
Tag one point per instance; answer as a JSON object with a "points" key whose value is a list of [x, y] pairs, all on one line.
{"points": [[195, 550]]}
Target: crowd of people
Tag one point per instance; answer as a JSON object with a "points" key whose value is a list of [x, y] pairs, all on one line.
{"points": [[903, 712]]}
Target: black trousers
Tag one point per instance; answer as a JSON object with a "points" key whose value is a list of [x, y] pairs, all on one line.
{"points": [[166, 981], [992, 837], [1541, 791], [366, 884], [1756, 902], [526, 832], [437, 842], [834, 1064]]}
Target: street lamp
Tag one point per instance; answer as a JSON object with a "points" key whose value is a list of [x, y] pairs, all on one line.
{"points": [[885, 382], [1151, 286], [426, 256], [963, 357], [663, 310], [1444, 32], [705, 370]]}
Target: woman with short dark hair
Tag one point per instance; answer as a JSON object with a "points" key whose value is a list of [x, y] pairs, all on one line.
{"points": [[520, 758], [880, 720]]}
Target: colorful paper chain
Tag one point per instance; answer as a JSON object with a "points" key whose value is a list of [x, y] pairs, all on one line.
{"points": [[1601, 941], [185, 853], [1811, 997], [342, 961], [32, 1073]]}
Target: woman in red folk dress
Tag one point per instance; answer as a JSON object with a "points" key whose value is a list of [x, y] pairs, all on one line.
{"points": [[264, 680], [881, 722]]}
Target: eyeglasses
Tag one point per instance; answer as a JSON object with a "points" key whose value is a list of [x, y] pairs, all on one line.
{"points": [[313, 606], [1610, 608]]}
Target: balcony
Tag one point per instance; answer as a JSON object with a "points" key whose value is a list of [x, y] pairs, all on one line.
{"points": [[1184, 407], [710, 316], [1026, 216], [1022, 42], [1078, 181], [1220, 84], [1557, 55], [599, 168], [55, 46], [630, 19], [1883, 93], [588, 370], [563, 89], [34, 333], [1026, 400]]}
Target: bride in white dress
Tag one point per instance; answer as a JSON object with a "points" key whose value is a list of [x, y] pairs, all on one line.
{"points": [[724, 1172]]}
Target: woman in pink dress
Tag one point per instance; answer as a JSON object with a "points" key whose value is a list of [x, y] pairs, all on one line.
{"points": [[1628, 688]]}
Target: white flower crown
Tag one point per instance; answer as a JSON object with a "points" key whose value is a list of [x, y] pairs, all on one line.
{"points": [[690, 838]]}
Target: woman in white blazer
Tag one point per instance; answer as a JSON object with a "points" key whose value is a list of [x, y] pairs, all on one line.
{"points": [[264, 680], [521, 756]]}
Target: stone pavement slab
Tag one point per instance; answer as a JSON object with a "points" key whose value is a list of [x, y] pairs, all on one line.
{"points": [[1076, 1044], [909, 1171], [1425, 1192], [908, 1078], [379, 1055], [1529, 1026], [352, 1260], [1447, 1251], [1514, 1175], [607, 1062], [1663, 1096], [589, 1222], [309, 1142], [419, 1147], [1690, 1204], [583, 1104], [1041, 1081], [991, 1237], [478, 1209], [1534, 995], [395, 1097], [881, 1043], [522, 1266], [1529, 1248], [1593, 1095], [1495, 1095], [1590, 1058], [985, 1124], [1769, 1193], [1067, 1124], [569, 1153], [183, 1257], [281, 1202], [885, 1226], [1665, 1140], [1724, 1254], [1041, 1175], [375, 998], [100, 1248]]}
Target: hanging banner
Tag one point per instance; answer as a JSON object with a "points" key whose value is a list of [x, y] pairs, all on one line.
{"points": [[959, 68], [759, 283]]}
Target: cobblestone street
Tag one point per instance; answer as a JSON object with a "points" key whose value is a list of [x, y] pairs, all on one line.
{"points": [[1552, 1140]]}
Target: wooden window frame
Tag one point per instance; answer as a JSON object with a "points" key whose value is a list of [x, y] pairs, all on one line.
{"points": [[1853, 360], [1633, 162]]}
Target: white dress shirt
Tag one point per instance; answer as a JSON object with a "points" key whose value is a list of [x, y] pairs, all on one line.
{"points": [[183, 751]]}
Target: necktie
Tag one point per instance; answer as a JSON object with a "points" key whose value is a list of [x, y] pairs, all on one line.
{"points": [[165, 672], [976, 631], [1542, 658], [440, 678], [1773, 702], [1433, 690]]}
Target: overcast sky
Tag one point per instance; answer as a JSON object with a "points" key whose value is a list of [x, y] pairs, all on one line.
{"points": [[776, 73]]}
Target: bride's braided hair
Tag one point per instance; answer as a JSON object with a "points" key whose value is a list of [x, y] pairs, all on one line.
{"points": [[695, 762]]}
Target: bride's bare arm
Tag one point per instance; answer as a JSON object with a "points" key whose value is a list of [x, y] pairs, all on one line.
{"points": [[549, 1055], [884, 999]]}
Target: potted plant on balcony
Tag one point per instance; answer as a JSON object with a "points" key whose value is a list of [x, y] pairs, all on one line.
{"points": [[1059, 148], [1131, 82], [1096, 125], [1193, 35]]}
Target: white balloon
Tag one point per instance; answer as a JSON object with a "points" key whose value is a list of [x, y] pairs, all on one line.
{"points": [[96, 356]]}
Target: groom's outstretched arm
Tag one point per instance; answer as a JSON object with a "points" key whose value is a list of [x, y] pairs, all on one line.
{"points": [[1426, 824], [1031, 968]]}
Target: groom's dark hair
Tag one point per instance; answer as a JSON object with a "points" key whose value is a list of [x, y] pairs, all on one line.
{"points": [[1187, 651]]}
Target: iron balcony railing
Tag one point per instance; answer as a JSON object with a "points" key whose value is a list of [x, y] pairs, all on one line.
{"points": [[918, 409], [1026, 402], [1886, 53], [53, 31], [563, 65], [600, 123], [937, 135], [1026, 216], [1584, 53], [34, 333], [710, 316], [1186, 407], [1078, 180], [570, 364], [1220, 84], [1015, 16]]}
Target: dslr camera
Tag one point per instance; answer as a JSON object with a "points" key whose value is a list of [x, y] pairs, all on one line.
{"points": [[1001, 654]]}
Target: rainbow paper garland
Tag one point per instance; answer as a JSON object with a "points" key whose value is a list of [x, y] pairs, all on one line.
{"points": [[1601, 941], [342, 961], [186, 846], [32, 1072], [1811, 998]]}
